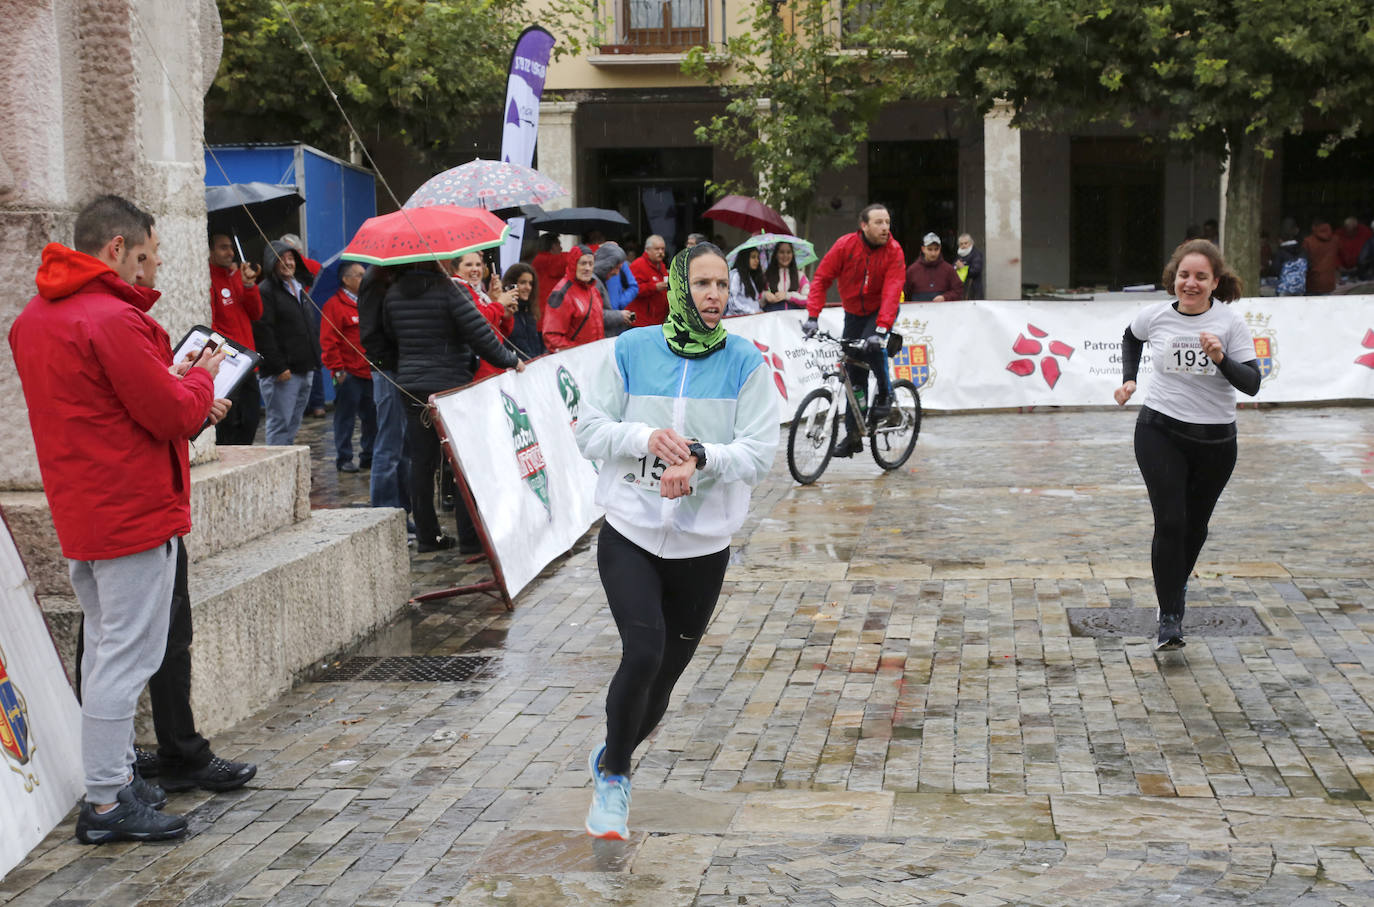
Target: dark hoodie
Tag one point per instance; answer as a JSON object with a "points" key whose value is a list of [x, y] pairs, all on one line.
{"points": [[285, 335], [109, 421], [1323, 259]]}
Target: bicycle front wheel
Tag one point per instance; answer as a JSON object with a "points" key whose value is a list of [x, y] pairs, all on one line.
{"points": [[811, 439], [893, 440]]}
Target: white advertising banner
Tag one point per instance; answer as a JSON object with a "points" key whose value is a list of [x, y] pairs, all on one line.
{"points": [[512, 437], [512, 434], [40, 721], [987, 355]]}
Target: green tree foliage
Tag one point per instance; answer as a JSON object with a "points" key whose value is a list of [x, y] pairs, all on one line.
{"points": [[417, 70], [1228, 76], [798, 104]]}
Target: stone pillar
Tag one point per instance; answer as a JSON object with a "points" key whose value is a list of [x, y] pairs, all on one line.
{"points": [[1002, 206], [92, 107], [557, 147]]}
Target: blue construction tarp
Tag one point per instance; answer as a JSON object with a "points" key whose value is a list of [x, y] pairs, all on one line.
{"points": [[338, 195]]}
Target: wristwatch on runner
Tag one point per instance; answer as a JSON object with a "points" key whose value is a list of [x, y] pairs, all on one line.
{"points": [[697, 450]]}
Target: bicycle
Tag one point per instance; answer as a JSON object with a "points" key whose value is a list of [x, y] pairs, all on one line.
{"points": [[816, 425]]}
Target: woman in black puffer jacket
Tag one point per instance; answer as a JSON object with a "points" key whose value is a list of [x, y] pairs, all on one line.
{"points": [[435, 327]]}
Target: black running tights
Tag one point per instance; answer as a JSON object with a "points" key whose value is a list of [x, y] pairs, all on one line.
{"points": [[661, 607], [1185, 477]]}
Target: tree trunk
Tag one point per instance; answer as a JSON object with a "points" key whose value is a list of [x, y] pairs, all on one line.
{"points": [[1244, 191]]}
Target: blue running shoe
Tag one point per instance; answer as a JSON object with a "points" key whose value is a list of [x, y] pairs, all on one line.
{"points": [[609, 815], [594, 762]]}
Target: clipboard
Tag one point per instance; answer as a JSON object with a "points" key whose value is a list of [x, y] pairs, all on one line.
{"points": [[238, 364]]}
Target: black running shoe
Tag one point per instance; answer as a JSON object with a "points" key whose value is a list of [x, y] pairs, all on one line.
{"points": [[217, 775], [146, 762], [147, 791], [1170, 634], [130, 820]]}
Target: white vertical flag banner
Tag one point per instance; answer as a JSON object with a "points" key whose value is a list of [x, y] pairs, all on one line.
{"points": [[529, 65], [40, 722]]}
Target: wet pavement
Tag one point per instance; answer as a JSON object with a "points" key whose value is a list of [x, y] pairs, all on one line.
{"points": [[915, 690]]}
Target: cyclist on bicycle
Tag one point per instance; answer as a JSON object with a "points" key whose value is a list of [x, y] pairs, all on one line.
{"points": [[870, 270]]}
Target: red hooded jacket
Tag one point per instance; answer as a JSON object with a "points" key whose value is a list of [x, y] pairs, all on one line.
{"points": [[870, 278], [233, 307], [109, 421], [575, 311], [341, 349], [651, 305]]}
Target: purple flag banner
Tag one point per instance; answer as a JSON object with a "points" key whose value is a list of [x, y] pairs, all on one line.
{"points": [[529, 65]]}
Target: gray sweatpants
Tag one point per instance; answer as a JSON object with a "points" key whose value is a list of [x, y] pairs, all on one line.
{"points": [[127, 604]]}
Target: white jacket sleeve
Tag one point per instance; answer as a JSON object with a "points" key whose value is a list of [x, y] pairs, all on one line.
{"points": [[600, 433], [749, 457]]}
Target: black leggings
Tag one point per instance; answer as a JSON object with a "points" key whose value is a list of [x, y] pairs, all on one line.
{"points": [[1185, 467], [661, 607]]}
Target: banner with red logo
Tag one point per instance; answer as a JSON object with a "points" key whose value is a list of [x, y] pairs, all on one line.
{"points": [[40, 721], [512, 434]]}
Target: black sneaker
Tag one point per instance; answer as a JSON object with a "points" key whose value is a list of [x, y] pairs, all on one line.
{"points": [[148, 792], [217, 775], [130, 820], [146, 762], [851, 445], [1170, 633], [442, 543]]}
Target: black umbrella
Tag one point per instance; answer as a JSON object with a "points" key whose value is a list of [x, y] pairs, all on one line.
{"points": [[229, 206], [579, 220]]}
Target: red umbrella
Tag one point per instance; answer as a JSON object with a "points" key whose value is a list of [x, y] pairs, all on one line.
{"points": [[424, 234], [748, 214]]}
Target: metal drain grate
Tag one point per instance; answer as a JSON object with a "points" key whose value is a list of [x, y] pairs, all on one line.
{"points": [[1219, 620], [405, 669]]}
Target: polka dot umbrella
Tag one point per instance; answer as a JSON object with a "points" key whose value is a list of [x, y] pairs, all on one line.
{"points": [[424, 234], [492, 185]]}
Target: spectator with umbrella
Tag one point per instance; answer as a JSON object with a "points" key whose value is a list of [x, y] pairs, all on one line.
{"points": [[235, 304], [431, 325], [746, 285], [786, 284]]}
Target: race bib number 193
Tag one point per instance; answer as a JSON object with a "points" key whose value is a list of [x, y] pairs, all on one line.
{"points": [[1184, 354]]}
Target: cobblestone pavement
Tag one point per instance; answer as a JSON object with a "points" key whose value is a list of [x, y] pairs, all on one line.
{"points": [[894, 705]]}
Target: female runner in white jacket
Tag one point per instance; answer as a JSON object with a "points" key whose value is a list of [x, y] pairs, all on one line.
{"points": [[683, 421]]}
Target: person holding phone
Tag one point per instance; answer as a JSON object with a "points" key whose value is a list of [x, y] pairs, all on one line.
{"points": [[524, 331], [1185, 436]]}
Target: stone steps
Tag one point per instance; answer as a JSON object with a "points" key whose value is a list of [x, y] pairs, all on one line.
{"points": [[267, 611]]}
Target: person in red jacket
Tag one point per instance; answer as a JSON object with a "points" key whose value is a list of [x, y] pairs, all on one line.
{"points": [[497, 305], [341, 350], [651, 303], [930, 278], [549, 266], [234, 305], [868, 267], [1352, 236], [111, 414], [577, 306]]}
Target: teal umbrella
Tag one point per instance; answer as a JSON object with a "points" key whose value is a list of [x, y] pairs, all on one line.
{"points": [[805, 252]]}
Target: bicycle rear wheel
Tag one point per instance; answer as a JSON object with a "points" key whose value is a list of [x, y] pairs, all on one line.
{"points": [[894, 439], [811, 439]]}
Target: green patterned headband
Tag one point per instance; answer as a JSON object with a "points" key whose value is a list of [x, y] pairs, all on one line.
{"points": [[687, 335]]}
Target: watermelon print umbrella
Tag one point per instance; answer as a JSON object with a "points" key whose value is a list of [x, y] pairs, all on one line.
{"points": [[492, 185], [424, 234]]}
